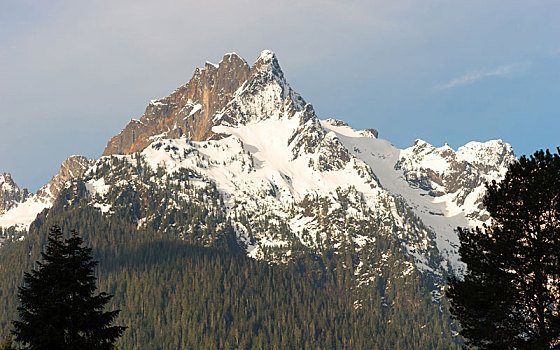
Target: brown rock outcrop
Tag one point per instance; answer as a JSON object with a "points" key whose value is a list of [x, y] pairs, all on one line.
{"points": [[188, 111]]}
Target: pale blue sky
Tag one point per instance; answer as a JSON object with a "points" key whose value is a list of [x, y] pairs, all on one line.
{"points": [[73, 73]]}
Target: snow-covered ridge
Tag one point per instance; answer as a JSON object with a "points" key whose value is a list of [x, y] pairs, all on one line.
{"points": [[444, 187], [285, 200], [494, 155]]}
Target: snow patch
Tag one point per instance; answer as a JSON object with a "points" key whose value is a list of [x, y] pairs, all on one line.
{"points": [[22, 215]]}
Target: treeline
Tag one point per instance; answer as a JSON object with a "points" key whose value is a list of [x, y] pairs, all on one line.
{"points": [[176, 294]]}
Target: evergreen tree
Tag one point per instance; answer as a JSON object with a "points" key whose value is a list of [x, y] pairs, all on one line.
{"points": [[59, 305], [510, 295]]}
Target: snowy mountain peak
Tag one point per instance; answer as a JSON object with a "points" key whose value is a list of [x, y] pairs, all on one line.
{"points": [[267, 60], [266, 56], [267, 64], [231, 93], [457, 178], [494, 155], [265, 94]]}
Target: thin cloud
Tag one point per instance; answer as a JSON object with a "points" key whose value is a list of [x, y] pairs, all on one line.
{"points": [[471, 77]]}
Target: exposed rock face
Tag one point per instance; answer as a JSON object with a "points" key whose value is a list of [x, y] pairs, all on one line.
{"points": [[230, 93], [10, 193], [265, 94], [71, 168], [462, 173], [370, 133], [336, 122], [188, 111]]}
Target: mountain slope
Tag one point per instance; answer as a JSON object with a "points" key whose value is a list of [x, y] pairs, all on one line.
{"points": [[20, 213], [443, 187], [175, 294]]}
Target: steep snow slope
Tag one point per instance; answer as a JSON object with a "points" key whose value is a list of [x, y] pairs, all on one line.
{"points": [[254, 169], [23, 214]]}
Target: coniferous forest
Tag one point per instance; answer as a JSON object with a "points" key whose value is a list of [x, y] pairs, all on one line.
{"points": [[175, 293]]}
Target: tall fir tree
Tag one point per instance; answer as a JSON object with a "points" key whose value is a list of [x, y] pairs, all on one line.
{"points": [[60, 308], [509, 297]]}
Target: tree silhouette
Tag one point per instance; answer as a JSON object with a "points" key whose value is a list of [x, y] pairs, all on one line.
{"points": [[60, 308], [509, 297]]}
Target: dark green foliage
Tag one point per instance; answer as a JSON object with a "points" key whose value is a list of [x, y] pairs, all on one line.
{"points": [[59, 307], [183, 281], [510, 295]]}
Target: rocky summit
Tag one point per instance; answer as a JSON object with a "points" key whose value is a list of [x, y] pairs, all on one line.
{"points": [[212, 92]]}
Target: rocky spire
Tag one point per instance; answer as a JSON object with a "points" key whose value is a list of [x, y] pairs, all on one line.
{"points": [[188, 111], [230, 92], [265, 94], [10, 193]]}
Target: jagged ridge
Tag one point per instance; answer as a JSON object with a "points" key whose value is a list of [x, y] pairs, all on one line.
{"points": [[230, 92]]}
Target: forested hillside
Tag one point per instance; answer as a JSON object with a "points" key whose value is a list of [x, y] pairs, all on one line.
{"points": [[177, 293]]}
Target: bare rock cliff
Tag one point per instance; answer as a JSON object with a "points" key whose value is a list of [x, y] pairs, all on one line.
{"points": [[188, 111], [72, 168]]}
